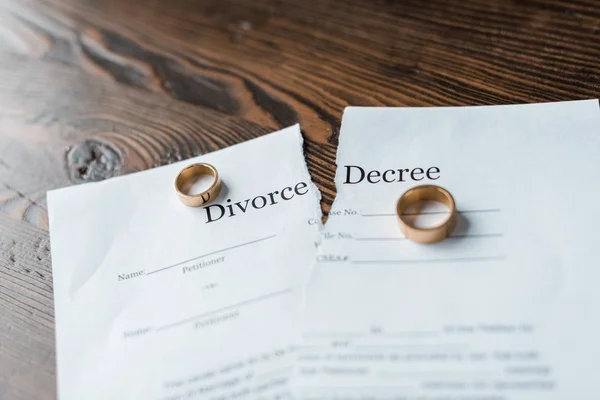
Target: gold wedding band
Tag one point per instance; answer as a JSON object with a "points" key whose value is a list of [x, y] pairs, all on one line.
{"points": [[421, 193], [186, 178]]}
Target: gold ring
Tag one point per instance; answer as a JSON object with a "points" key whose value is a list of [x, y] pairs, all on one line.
{"points": [[426, 235], [190, 174]]}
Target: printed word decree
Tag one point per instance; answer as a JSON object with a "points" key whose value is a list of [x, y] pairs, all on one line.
{"points": [[356, 174]]}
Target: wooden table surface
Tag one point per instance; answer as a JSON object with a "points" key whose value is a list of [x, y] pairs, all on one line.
{"points": [[95, 89]]}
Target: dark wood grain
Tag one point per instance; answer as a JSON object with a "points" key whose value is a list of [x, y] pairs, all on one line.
{"points": [[94, 89]]}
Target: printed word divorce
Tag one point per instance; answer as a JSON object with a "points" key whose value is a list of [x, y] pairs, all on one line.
{"points": [[215, 212], [356, 174]]}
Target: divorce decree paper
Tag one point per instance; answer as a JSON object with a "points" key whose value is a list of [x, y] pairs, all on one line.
{"points": [[507, 307], [156, 300]]}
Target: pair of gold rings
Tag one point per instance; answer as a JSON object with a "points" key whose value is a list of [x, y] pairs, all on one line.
{"points": [[190, 174], [421, 193], [186, 178]]}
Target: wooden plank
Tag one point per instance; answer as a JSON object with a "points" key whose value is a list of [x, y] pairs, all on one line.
{"points": [[94, 89], [27, 357]]}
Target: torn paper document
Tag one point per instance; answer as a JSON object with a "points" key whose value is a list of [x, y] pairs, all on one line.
{"points": [[504, 309], [156, 300]]}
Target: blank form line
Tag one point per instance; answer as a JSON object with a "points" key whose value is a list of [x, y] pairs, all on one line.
{"points": [[409, 334], [240, 304], [356, 389], [274, 372], [488, 210], [430, 260], [456, 346], [403, 334], [465, 236], [209, 254], [389, 346], [434, 373], [332, 334], [310, 346]]}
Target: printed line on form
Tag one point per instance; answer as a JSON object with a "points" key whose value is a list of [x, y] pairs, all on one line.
{"points": [[236, 305], [209, 254], [431, 260], [489, 210], [465, 236]]}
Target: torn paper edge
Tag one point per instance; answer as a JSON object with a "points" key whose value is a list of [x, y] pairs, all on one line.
{"points": [[317, 193]]}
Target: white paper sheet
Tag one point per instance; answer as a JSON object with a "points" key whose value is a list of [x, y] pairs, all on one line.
{"points": [[156, 300], [506, 309]]}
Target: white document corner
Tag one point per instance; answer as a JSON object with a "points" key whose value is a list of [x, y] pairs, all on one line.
{"points": [[156, 300]]}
